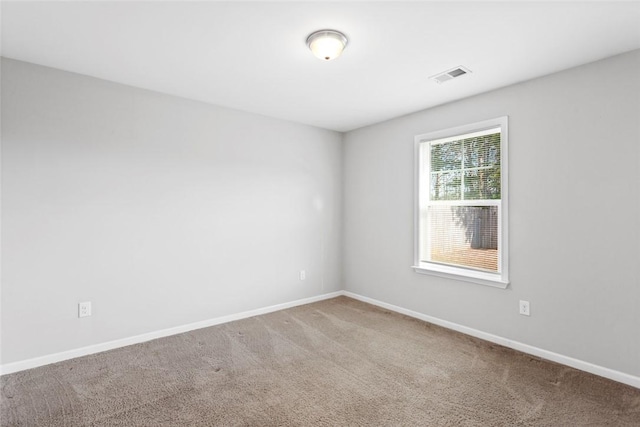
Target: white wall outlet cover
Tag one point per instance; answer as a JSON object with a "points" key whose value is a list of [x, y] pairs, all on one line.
{"points": [[303, 274], [524, 308], [84, 309]]}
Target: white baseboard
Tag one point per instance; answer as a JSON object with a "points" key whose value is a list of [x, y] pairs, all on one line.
{"points": [[110, 345], [525, 348]]}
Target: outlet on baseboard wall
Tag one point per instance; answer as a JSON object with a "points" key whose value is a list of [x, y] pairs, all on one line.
{"points": [[84, 309], [303, 274]]}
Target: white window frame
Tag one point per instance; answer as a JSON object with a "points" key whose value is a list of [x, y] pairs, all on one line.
{"points": [[499, 279]]}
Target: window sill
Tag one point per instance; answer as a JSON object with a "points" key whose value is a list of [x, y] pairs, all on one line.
{"points": [[479, 277]]}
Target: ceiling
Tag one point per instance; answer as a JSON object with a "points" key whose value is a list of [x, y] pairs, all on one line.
{"points": [[253, 57]]}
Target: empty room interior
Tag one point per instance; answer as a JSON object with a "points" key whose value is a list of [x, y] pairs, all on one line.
{"points": [[320, 213]]}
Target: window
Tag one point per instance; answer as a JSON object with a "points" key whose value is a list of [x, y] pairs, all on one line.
{"points": [[461, 203]]}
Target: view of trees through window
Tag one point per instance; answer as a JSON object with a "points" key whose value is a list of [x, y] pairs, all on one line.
{"points": [[464, 193], [467, 169]]}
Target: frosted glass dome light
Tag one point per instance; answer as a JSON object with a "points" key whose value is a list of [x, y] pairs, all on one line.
{"points": [[327, 44]]}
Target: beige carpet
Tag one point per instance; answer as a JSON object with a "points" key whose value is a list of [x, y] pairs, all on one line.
{"points": [[334, 363]]}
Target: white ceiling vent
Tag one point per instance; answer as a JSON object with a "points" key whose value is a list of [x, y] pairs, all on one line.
{"points": [[450, 74]]}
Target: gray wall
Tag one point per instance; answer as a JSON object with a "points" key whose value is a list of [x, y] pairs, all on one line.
{"points": [[164, 211], [159, 210], [574, 167]]}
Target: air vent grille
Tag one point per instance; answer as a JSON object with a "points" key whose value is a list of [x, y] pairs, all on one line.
{"points": [[450, 74]]}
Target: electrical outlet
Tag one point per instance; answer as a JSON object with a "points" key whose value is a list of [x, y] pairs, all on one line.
{"points": [[524, 308], [303, 274], [84, 309]]}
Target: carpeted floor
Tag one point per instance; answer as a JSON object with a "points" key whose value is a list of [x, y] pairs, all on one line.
{"points": [[338, 362]]}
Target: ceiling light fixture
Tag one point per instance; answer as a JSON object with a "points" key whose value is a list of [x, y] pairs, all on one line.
{"points": [[327, 44]]}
